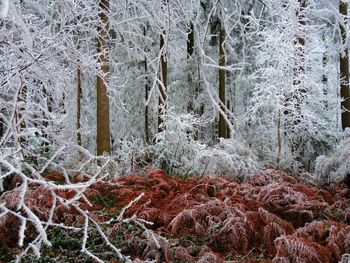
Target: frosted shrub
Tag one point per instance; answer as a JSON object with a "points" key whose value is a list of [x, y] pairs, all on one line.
{"points": [[228, 157], [335, 167], [173, 149], [131, 156], [177, 150]]}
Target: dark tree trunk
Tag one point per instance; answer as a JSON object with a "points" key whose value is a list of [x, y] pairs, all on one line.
{"points": [[103, 141], [163, 87], [344, 72], [79, 96], [222, 129], [147, 140]]}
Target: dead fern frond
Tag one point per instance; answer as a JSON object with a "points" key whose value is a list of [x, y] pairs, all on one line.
{"points": [[234, 234], [268, 218], [315, 231], [293, 248], [339, 239], [280, 260], [272, 231]]}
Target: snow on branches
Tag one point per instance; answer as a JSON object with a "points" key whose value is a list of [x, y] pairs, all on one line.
{"points": [[37, 200], [335, 167]]}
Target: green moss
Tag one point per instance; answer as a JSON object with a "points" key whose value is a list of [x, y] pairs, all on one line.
{"points": [[186, 241], [107, 200], [6, 255]]}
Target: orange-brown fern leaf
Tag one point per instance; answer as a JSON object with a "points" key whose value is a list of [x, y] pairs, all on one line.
{"points": [[271, 232], [293, 248], [234, 234], [339, 240], [196, 220], [277, 196], [297, 215], [280, 260], [268, 217], [315, 231]]}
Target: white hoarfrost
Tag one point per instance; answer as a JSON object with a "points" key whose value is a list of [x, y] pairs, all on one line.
{"points": [[9, 11], [4, 8], [35, 200], [335, 167]]}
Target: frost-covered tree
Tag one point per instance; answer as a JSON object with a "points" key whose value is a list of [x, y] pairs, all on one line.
{"points": [[287, 104], [280, 92]]}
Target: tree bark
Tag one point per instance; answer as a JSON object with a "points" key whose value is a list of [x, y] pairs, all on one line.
{"points": [[222, 129], [163, 87], [103, 143], [344, 72], [325, 79], [22, 125], [146, 96], [2, 128], [146, 107], [190, 50], [79, 96], [190, 40]]}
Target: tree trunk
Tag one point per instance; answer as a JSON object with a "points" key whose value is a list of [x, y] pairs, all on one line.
{"points": [[146, 96], [293, 113], [279, 140], [2, 128], [190, 40], [222, 129], [190, 50], [300, 43], [344, 72], [146, 107], [103, 143], [325, 79], [21, 123], [298, 91], [163, 87], [46, 123], [79, 96]]}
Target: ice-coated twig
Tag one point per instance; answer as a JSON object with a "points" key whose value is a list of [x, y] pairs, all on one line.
{"points": [[52, 159], [37, 224], [97, 259], [24, 188], [85, 233], [102, 234], [46, 224], [35, 250], [149, 233], [21, 232], [3, 213], [121, 215]]}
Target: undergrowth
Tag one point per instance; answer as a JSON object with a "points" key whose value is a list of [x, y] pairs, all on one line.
{"points": [[269, 217]]}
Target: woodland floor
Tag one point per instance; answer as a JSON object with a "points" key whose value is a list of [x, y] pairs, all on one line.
{"points": [[271, 216]]}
